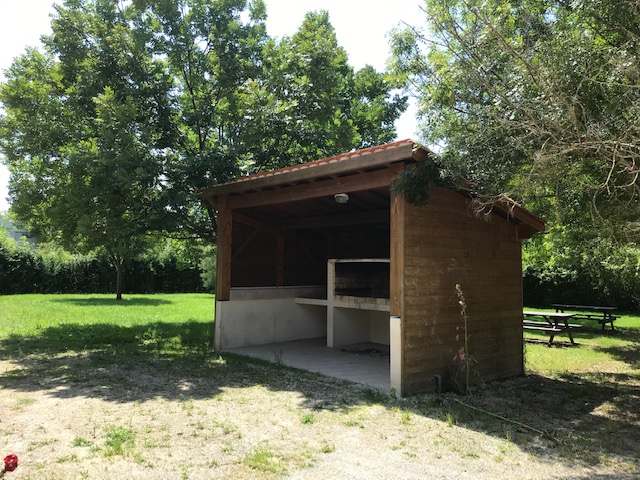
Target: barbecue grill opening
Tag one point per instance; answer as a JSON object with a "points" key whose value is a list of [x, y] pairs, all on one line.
{"points": [[362, 278]]}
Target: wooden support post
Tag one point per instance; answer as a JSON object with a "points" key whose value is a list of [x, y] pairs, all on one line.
{"points": [[224, 253], [397, 253], [280, 261]]}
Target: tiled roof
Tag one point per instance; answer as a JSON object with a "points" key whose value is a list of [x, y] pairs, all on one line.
{"points": [[325, 161]]}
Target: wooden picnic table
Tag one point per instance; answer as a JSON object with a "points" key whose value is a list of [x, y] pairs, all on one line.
{"points": [[554, 322], [602, 315]]}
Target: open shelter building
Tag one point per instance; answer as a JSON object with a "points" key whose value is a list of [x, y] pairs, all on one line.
{"points": [[325, 252]]}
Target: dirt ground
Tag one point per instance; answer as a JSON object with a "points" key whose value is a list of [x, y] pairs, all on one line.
{"points": [[117, 417]]}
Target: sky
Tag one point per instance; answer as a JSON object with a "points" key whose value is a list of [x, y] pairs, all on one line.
{"points": [[361, 27]]}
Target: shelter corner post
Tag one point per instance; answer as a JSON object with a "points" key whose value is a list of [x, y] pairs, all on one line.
{"points": [[397, 255]]}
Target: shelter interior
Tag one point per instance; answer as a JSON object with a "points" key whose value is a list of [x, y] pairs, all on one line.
{"points": [[330, 259], [290, 243]]}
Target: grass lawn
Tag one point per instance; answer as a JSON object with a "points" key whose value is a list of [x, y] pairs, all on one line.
{"points": [[598, 351], [94, 308], [80, 322], [94, 388]]}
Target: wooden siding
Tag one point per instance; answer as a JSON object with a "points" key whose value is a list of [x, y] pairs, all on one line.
{"points": [[445, 244]]}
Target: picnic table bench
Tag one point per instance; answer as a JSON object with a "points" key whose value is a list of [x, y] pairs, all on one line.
{"points": [[553, 323], [602, 315]]}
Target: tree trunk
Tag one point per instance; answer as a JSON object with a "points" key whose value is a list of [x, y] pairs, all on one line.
{"points": [[119, 264]]}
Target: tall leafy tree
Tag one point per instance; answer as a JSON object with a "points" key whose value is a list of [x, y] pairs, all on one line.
{"points": [[309, 103], [375, 105], [211, 50], [84, 126], [133, 105], [535, 100]]}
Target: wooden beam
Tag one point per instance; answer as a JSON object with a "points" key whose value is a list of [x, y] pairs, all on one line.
{"points": [[245, 244], [255, 223], [524, 231], [223, 264], [529, 218], [341, 164], [521, 214], [351, 183], [272, 229], [420, 153], [343, 219]]}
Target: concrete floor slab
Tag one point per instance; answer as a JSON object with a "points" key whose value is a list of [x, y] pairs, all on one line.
{"points": [[366, 363]]}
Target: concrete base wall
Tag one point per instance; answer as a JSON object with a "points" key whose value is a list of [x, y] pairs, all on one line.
{"points": [[358, 326], [379, 328], [258, 316]]}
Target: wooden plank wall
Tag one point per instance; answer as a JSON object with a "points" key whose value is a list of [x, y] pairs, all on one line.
{"points": [[261, 258], [264, 259], [445, 245], [359, 245]]}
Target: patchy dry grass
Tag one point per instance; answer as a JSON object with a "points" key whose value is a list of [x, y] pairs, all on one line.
{"points": [[123, 397]]}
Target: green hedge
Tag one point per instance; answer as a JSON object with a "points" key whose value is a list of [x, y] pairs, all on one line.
{"points": [[24, 270], [600, 276]]}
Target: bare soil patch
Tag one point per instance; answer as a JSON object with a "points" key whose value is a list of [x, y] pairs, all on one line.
{"points": [[124, 416]]}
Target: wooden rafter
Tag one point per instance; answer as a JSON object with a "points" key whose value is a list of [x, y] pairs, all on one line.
{"points": [[351, 183], [344, 219]]}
